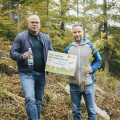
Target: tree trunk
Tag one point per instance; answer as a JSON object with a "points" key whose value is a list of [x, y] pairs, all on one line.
{"points": [[106, 49], [77, 8], [106, 67], [18, 17], [48, 15], [62, 26]]}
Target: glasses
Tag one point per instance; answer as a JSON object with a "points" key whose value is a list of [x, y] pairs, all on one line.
{"points": [[33, 22]]}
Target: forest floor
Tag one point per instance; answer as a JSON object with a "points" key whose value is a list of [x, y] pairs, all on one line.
{"points": [[56, 104]]}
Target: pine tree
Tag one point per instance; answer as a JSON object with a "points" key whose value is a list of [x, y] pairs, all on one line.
{"points": [[100, 16]]}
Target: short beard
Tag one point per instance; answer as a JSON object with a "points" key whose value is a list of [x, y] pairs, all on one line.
{"points": [[78, 41], [34, 32]]}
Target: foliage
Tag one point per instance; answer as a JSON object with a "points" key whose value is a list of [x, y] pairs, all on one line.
{"points": [[56, 15], [7, 29], [56, 103], [101, 19]]}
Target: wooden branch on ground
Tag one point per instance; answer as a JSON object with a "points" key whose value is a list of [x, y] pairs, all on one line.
{"points": [[15, 97], [102, 113], [97, 88]]}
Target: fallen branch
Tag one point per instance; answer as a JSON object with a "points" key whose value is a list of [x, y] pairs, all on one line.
{"points": [[107, 93], [102, 113], [15, 97], [97, 88]]}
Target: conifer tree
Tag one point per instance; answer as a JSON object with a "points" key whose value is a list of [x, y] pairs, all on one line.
{"points": [[98, 20]]}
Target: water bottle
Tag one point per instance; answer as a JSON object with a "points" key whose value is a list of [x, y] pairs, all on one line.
{"points": [[30, 59]]}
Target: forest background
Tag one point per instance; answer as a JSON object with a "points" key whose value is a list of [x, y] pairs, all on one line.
{"points": [[101, 23]]}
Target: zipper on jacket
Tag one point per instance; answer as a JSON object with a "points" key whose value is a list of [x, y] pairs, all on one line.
{"points": [[79, 63]]}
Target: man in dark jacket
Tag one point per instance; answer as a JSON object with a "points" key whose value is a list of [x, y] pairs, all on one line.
{"points": [[84, 75], [32, 77]]}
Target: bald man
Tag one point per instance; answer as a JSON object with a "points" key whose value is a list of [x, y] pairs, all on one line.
{"points": [[32, 77]]}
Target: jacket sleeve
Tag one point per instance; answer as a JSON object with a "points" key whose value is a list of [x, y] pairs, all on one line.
{"points": [[67, 48], [95, 65], [50, 45], [66, 51], [15, 52]]}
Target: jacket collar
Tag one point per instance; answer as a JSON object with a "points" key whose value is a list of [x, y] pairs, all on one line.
{"points": [[85, 41]]}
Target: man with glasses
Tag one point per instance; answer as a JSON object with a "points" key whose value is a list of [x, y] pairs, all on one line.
{"points": [[32, 77]]}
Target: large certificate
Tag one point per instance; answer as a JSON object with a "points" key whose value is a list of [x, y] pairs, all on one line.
{"points": [[61, 63]]}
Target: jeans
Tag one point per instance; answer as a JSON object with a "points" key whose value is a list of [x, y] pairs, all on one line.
{"points": [[33, 86], [89, 97]]}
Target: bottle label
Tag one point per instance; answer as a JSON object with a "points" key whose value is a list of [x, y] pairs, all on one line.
{"points": [[30, 61]]}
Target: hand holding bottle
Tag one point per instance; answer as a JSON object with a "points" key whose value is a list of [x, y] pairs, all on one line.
{"points": [[26, 55]]}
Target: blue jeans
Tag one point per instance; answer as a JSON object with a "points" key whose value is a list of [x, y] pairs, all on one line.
{"points": [[89, 97], [33, 87]]}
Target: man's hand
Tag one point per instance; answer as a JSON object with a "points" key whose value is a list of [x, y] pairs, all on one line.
{"points": [[88, 70], [26, 55]]}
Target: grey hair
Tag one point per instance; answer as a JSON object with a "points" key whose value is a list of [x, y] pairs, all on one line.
{"points": [[35, 16]]}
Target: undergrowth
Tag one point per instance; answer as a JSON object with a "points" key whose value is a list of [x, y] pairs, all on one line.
{"points": [[56, 104]]}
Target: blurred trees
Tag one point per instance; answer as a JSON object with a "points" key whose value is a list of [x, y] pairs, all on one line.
{"points": [[101, 22]]}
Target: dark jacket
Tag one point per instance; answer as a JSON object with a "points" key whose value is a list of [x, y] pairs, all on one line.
{"points": [[21, 44]]}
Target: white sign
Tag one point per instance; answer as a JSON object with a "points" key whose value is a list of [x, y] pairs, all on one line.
{"points": [[61, 63]]}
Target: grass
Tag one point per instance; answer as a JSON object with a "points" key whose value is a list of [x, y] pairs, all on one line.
{"points": [[56, 104]]}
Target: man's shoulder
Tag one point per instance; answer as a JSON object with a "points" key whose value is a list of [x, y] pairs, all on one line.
{"points": [[67, 48], [23, 33], [90, 43], [43, 35]]}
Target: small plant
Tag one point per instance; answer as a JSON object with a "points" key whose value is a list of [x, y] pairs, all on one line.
{"points": [[97, 46]]}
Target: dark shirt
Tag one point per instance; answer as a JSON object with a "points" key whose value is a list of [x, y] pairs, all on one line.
{"points": [[38, 56]]}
